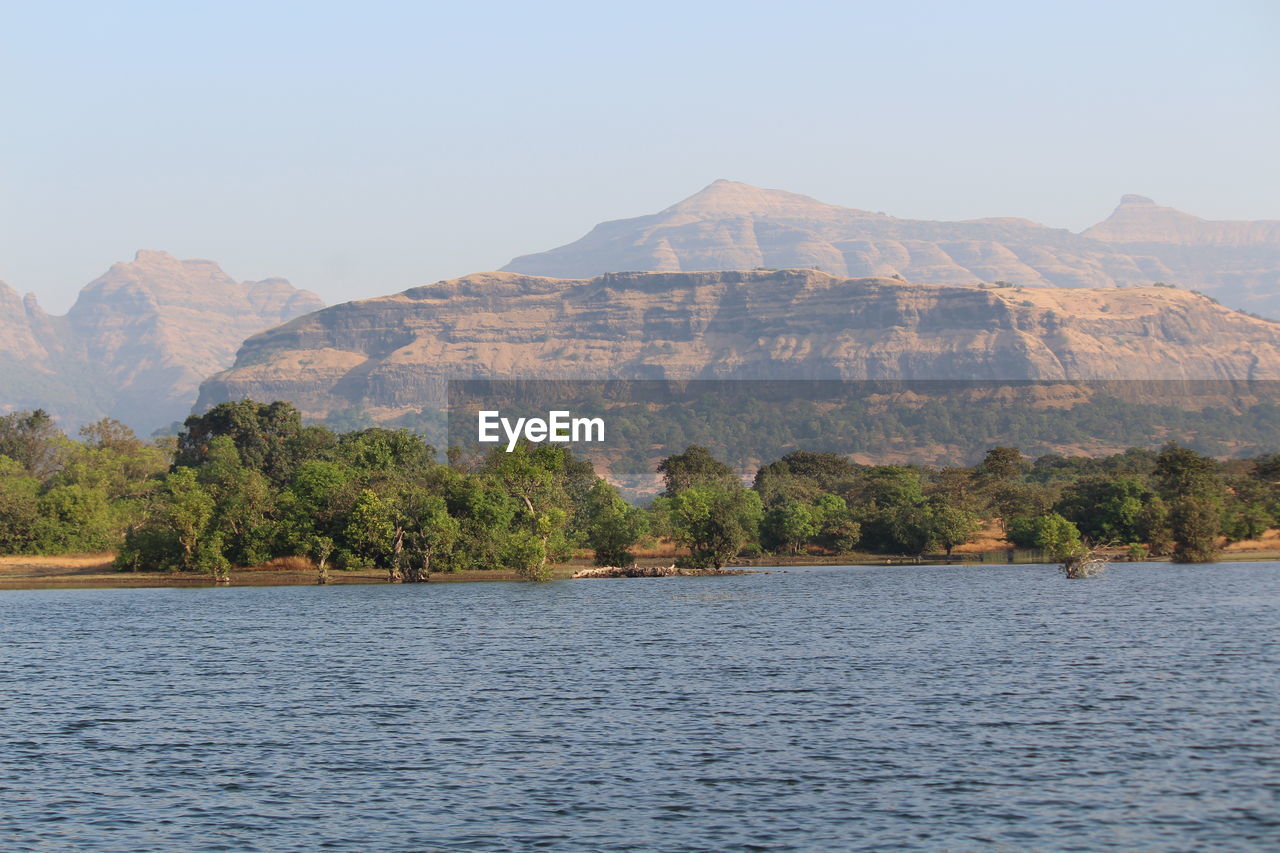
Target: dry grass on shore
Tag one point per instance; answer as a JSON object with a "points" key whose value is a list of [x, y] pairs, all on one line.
{"points": [[70, 571]]}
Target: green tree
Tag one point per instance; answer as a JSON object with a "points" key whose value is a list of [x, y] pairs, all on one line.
{"points": [[430, 533], [1196, 524], [19, 508], [266, 435], [74, 518], [950, 525], [372, 534], [175, 534], [803, 476], [787, 527], [110, 434], [837, 529], [889, 504], [33, 440], [316, 501], [386, 450], [1002, 464], [694, 467], [613, 526], [715, 522], [1152, 527], [1050, 533], [530, 477], [1182, 473], [1106, 509], [245, 505]]}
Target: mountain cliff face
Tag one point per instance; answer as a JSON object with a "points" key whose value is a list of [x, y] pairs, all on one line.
{"points": [[1239, 262], [731, 225], [390, 356], [138, 340]]}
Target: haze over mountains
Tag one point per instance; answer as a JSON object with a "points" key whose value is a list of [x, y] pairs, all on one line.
{"points": [[138, 340], [388, 357], [730, 225]]}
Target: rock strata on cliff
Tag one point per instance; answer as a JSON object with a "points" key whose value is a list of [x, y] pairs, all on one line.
{"points": [[731, 225], [390, 356], [138, 340]]}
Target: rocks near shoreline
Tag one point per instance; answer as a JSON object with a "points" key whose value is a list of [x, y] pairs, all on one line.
{"points": [[653, 572]]}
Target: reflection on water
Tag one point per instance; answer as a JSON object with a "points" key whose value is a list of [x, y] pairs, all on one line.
{"points": [[907, 708]]}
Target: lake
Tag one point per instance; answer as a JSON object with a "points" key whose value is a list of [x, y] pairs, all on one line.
{"points": [[823, 708]]}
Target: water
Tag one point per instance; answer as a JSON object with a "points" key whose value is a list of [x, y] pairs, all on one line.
{"points": [[907, 708]]}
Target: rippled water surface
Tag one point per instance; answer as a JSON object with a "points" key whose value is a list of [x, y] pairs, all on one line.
{"points": [[815, 709]]}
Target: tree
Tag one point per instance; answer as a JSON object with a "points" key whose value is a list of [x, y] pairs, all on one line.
{"points": [[316, 501], [264, 434], [694, 467], [1058, 538], [837, 530], [1196, 524], [175, 533], [244, 504], [1002, 464], [803, 476], [955, 486], [714, 522], [19, 508], [320, 548], [530, 477], [74, 518], [1152, 527], [189, 511], [385, 450], [110, 434], [1106, 509], [372, 534], [613, 526], [33, 440], [950, 525], [1182, 473], [787, 527], [430, 533], [888, 502], [1246, 520]]}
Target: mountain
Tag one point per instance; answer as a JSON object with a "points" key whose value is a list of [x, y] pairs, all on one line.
{"points": [[1239, 262], [730, 225], [390, 356], [137, 341]]}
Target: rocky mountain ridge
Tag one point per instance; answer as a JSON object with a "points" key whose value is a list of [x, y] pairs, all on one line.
{"points": [[390, 356], [138, 340], [731, 225]]}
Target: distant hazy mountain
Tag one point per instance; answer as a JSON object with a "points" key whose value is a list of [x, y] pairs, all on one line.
{"points": [[731, 225], [138, 340], [388, 357]]}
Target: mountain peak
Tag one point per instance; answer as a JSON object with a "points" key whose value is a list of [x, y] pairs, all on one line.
{"points": [[144, 256], [139, 338], [1139, 220], [734, 198]]}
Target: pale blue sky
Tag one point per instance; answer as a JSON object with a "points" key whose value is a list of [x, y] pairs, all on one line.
{"points": [[359, 149]]}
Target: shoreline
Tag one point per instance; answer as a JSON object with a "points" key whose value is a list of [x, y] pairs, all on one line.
{"points": [[93, 571]]}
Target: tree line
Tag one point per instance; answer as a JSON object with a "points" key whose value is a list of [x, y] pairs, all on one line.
{"points": [[247, 482]]}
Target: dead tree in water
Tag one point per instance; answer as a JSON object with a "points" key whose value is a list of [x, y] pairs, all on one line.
{"points": [[1087, 562]]}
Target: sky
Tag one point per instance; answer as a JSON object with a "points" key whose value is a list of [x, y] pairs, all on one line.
{"points": [[358, 149]]}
